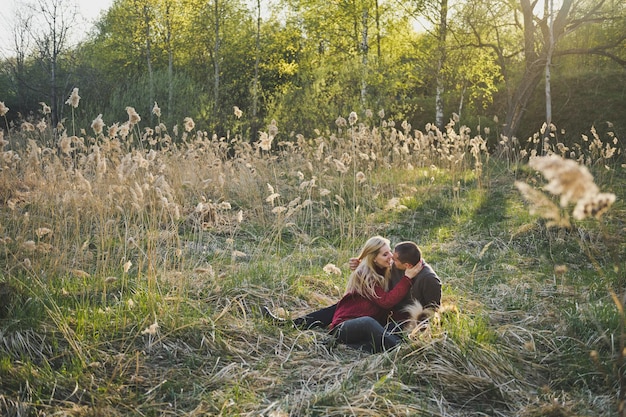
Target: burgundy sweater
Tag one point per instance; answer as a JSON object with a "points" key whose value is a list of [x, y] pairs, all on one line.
{"points": [[353, 305]]}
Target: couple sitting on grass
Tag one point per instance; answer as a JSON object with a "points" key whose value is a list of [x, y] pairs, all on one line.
{"points": [[387, 293]]}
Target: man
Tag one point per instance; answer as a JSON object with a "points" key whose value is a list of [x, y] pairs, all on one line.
{"points": [[424, 296]]}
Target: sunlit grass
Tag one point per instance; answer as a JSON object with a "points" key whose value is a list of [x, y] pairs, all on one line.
{"points": [[136, 262]]}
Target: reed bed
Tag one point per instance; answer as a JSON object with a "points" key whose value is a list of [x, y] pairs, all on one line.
{"points": [[135, 260]]}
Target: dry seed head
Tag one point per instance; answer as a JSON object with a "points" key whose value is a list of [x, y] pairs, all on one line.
{"points": [[124, 130], [97, 124], [331, 269], [3, 109], [341, 122], [189, 124], [113, 130], [156, 110], [352, 119], [43, 231], [272, 129], [65, 144], [42, 125], [265, 141], [272, 197], [28, 127], [609, 152], [566, 178], [593, 205], [238, 112], [74, 98], [294, 202], [79, 273], [340, 167], [133, 116], [152, 329], [541, 205]]}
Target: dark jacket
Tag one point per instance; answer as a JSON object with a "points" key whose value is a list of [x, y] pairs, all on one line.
{"points": [[426, 289]]}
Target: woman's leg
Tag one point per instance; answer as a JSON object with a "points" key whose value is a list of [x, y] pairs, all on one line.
{"points": [[319, 318], [366, 333]]}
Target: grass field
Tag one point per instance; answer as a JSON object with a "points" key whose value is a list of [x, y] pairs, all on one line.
{"points": [[134, 263]]}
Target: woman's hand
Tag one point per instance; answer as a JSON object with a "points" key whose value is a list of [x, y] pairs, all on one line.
{"points": [[414, 270]]}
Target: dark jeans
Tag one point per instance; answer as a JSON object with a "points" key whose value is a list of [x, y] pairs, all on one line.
{"points": [[366, 333], [319, 318]]}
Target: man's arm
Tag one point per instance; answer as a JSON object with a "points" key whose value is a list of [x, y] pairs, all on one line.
{"points": [[427, 288]]}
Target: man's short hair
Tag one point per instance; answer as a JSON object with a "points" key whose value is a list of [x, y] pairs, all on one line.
{"points": [[408, 252]]}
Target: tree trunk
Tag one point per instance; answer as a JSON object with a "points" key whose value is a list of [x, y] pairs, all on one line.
{"points": [[522, 95], [255, 83], [149, 59], [441, 45], [378, 50], [170, 61], [535, 61], [216, 61], [548, 86], [364, 63]]}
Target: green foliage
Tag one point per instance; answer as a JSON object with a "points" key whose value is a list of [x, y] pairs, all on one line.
{"points": [[317, 61], [588, 103]]}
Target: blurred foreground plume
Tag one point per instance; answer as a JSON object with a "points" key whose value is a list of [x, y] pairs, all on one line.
{"points": [[573, 183]]}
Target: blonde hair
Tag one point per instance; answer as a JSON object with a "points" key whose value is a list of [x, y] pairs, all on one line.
{"points": [[365, 278]]}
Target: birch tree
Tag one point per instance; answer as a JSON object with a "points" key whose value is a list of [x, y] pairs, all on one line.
{"points": [[50, 31]]}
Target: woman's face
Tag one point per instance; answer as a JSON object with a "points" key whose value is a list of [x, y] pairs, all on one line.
{"points": [[384, 258]]}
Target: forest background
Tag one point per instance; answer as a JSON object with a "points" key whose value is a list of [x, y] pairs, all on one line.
{"points": [[507, 66], [191, 162]]}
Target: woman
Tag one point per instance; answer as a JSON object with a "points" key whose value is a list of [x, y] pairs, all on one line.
{"points": [[361, 314]]}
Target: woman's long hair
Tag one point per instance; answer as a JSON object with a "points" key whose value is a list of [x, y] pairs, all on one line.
{"points": [[366, 276]]}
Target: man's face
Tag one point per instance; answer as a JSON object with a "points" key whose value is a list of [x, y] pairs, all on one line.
{"points": [[399, 264]]}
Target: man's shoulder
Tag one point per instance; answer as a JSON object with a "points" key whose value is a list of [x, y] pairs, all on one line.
{"points": [[428, 273]]}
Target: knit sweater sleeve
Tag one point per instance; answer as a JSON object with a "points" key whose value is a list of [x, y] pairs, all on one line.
{"points": [[388, 299]]}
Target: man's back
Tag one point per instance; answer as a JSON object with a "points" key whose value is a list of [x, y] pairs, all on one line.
{"points": [[426, 288]]}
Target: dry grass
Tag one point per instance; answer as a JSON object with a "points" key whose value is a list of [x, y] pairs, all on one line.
{"points": [[140, 259]]}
